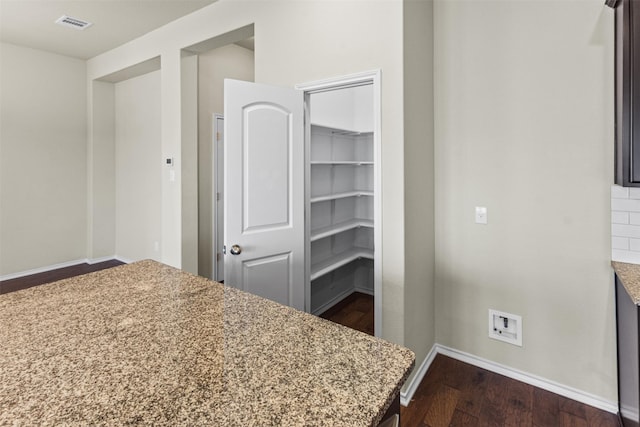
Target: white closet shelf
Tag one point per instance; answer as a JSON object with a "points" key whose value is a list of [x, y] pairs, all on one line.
{"points": [[339, 228], [337, 261], [334, 196], [338, 131], [341, 162]]}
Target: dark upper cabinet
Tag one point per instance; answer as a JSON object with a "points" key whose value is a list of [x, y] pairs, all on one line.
{"points": [[627, 28]]}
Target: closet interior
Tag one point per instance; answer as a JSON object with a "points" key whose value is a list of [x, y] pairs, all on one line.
{"points": [[340, 196]]}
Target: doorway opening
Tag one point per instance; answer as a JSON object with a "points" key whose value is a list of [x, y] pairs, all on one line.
{"points": [[302, 189], [230, 55], [343, 203]]}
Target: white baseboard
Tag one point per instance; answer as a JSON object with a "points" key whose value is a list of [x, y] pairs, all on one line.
{"points": [[407, 393], [60, 265], [42, 269], [629, 413], [123, 259], [534, 380], [333, 301], [365, 291], [92, 261]]}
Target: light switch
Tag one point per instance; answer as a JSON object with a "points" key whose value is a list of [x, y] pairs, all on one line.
{"points": [[172, 175], [481, 215]]}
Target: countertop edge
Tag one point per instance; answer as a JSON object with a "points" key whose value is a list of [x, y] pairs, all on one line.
{"points": [[384, 408], [629, 275]]}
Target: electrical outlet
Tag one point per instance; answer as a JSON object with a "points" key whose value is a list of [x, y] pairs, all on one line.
{"points": [[505, 327]]}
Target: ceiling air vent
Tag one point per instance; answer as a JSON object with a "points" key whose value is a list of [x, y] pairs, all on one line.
{"points": [[76, 23]]}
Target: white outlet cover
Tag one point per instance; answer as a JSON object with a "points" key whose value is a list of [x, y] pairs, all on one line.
{"points": [[512, 334], [481, 215]]}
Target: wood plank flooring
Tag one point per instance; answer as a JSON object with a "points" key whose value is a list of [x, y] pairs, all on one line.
{"points": [[454, 393], [25, 282], [355, 311]]}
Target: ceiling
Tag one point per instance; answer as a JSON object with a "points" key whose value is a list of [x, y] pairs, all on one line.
{"points": [[31, 23]]}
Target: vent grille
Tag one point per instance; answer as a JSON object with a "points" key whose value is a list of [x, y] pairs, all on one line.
{"points": [[71, 22]]}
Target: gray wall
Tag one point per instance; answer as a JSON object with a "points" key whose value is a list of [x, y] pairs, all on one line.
{"points": [[419, 301], [524, 126], [233, 62], [293, 45], [138, 167], [43, 157]]}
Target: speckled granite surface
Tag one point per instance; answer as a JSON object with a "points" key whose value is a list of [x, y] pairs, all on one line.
{"points": [[147, 344], [629, 275]]}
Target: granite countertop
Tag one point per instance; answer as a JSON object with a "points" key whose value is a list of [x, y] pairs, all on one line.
{"points": [[629, 275], [148, 344]]}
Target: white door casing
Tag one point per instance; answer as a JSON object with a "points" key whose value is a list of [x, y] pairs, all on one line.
{"points": [[264, 191], [218, 197]]}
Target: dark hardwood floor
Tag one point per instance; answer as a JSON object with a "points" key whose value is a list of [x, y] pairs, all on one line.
{"points": [[355, 311], [454, 393], [25, 282]]}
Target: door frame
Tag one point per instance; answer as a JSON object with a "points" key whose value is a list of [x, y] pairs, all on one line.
{"points": [[372, 77], [217, 164]]}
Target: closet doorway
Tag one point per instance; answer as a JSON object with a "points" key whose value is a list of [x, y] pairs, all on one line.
{"points": [[343, 203], [230, 55], [337, 213]]}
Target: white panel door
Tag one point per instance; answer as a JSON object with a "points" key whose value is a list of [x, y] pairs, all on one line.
{"points": [[264, 191]]}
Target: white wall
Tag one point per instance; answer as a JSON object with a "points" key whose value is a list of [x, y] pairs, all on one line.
{"points": [[189, 155], [344, 109], [524, 126], [101, 188], [419, 298], [42, 159], [138, 167], [232, 62], [292, 45]]}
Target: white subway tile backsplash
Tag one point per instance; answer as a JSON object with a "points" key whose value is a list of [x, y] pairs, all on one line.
{"points": [[625, 224], [628, 205], [634, 193], [618, 192], [625, 256], [634, 245], [622, 230], [621, 242], [618, 217]]}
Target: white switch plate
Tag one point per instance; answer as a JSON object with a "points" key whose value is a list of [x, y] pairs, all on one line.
{"points": [[481, 215]]}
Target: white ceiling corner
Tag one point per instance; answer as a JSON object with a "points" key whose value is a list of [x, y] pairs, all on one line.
{"points": [[31, 23]]}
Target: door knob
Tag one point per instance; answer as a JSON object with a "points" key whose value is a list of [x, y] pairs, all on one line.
{"points": [[235, 250]]}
